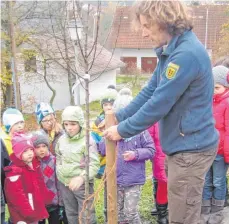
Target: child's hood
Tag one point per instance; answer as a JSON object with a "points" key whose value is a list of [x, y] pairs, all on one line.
{"points": [[222, 96], [18, 164], [73, 113]]}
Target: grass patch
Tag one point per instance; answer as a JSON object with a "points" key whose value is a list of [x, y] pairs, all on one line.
{"points": [[122, 79], [94, 106]]}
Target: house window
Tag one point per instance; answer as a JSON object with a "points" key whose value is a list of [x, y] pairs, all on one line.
{"points": [[31, 64], [149, 62]]}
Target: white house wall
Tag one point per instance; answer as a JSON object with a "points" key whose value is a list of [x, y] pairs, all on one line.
{"points": [[98, 86], [34, 89], [36, 92], [139, 53]]}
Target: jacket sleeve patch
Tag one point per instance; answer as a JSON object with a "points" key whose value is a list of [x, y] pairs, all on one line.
{"points": [[14, 178], [172, 70]]}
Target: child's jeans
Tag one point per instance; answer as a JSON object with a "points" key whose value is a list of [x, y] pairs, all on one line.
{"points": [[128, 199], [215, 180]]}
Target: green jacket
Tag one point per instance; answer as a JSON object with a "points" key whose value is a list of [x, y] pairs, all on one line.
{"points": [[71, 158]]}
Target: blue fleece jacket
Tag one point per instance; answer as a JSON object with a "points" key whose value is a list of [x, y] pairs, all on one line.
{"points": [[179, 95]]}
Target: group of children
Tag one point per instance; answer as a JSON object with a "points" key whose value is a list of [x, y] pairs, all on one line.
{"points": [[44, 172]]}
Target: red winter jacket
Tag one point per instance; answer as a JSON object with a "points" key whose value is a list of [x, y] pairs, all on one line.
{"points": [[221, 115], [25, 190]]}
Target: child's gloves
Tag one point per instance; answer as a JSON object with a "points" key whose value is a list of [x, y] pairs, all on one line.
{"points": [[76, 183], [129, 155]]}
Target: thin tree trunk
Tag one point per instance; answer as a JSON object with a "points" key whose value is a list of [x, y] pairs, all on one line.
{"points": [[8, 96], [8, 92], [68, 70], [47, 83], [17, 97], [87, 146], [87, 79]]}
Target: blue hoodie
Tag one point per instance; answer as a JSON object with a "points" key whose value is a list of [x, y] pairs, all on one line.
{"points": [[179, 95]]}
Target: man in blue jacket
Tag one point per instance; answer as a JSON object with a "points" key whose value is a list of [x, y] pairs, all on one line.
{"points": [[179, 95]]}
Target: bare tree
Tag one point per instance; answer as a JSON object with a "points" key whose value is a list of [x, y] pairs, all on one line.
{"points": [[87, 51], [51, 41], [13, 35]]}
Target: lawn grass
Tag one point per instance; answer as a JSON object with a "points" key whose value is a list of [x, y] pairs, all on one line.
{"points": [[95, 108], [121, 79]]}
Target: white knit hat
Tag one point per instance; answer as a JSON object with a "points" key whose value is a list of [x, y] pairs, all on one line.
{"points": [[123, 99], [221, 75], [10, 117]]}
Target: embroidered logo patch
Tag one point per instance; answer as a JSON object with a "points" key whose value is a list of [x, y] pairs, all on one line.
{"points": [[172, 70]]}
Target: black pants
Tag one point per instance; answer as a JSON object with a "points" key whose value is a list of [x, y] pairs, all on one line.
{"points": [[54, 218]]}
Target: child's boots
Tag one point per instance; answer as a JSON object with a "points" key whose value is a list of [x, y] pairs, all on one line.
{"points": [[162, 214]]}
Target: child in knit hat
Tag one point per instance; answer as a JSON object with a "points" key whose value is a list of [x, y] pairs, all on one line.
{"points": [[13, 122], [48, 169], [46, 118], [25, 190], [71, 160], [131, 156], [123, 99], [215, 183]]}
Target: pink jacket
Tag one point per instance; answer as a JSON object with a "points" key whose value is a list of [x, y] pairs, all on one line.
{"points": [[159, 158]]}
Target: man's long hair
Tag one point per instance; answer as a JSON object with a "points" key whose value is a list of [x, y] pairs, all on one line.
{"points": [[171, 16]]}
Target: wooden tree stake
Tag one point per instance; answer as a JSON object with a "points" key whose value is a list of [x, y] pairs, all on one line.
{"points": [[111, 173]]}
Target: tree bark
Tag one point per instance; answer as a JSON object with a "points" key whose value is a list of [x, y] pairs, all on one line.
{"points": [[17, 97], [68, 70], [47, 83], [87, 145]]}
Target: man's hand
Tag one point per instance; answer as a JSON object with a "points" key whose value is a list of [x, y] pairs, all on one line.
{"points": [[76, 183], [112, 133], [129, 155]]}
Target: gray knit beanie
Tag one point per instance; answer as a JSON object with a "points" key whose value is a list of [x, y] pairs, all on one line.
{"points": [[221, 75], [40, 138], [123, 99]]}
